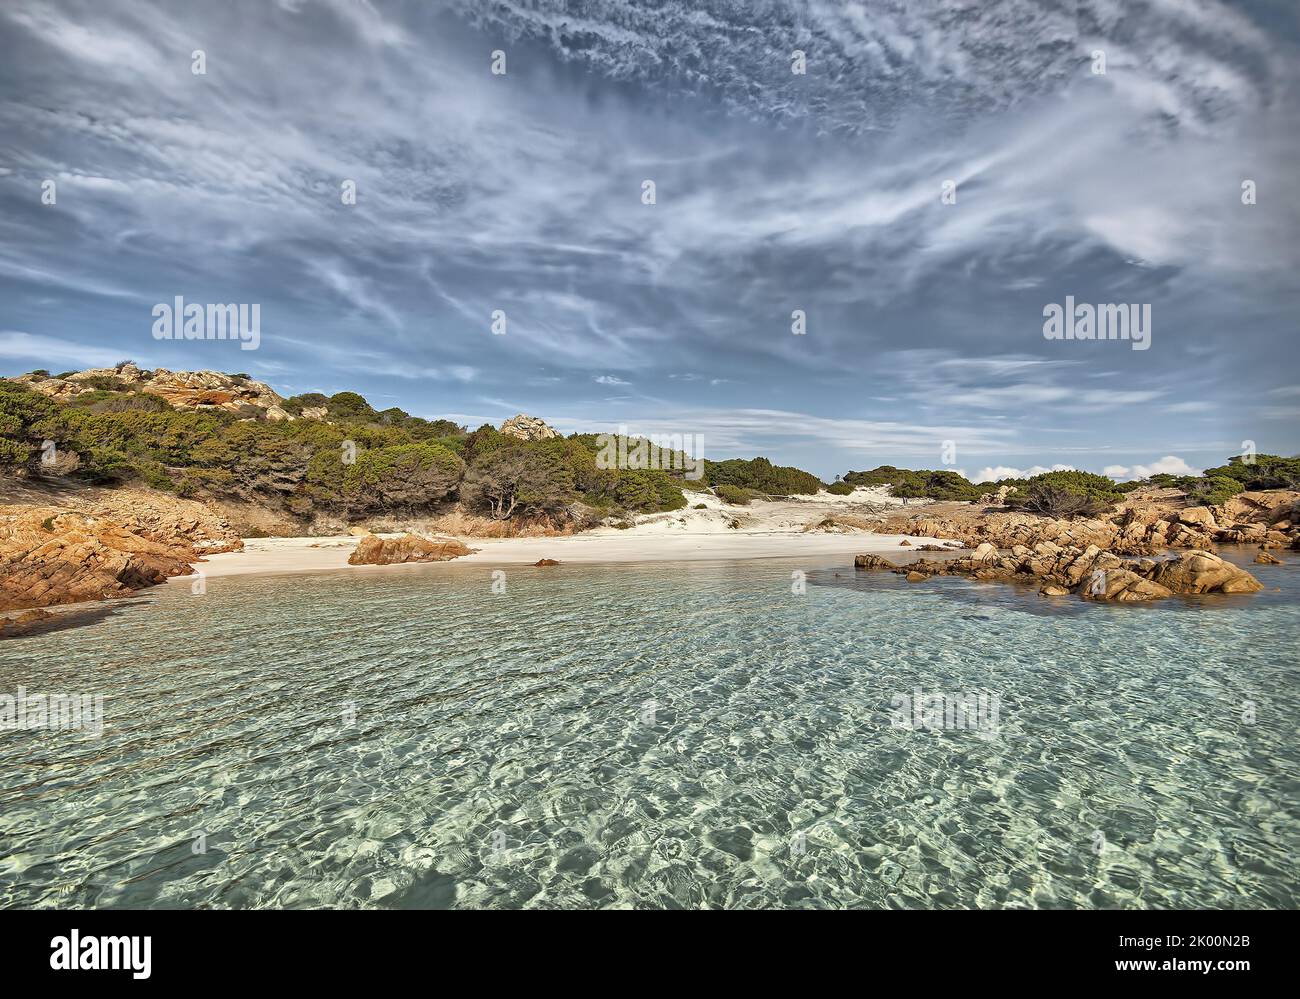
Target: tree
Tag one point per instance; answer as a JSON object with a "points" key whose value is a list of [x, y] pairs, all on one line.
{"points": [[515, 478]]}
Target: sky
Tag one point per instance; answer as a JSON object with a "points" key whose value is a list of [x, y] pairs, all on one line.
{"points": [[523, 193]]}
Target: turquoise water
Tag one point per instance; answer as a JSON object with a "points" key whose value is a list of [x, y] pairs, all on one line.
{"points": [[656, 736]]}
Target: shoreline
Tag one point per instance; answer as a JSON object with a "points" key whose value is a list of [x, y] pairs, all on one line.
{"points": [[265, 556]]}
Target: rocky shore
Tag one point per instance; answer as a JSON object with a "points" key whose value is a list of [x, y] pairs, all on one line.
{"points": [[1090, 572], [99, 544], [1139, 526]]}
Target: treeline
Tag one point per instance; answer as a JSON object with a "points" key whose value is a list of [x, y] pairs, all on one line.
{"points": [[1068, 493], [356, 462], [359, 461]]}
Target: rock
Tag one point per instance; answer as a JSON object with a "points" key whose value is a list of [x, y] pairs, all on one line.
{"points": [[358, 532], [1122, 585], [872, 562], [1053, 590], [20, 624], [182, 389], [49, 556], [1198, 516], [1203, 572], [904, 542], [984, 552], [374, 550], [545, 561], [998, 498], [1264, 558], [917, 577], [528, 428]]}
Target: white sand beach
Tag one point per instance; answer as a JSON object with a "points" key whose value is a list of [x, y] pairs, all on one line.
{"points": [[761, 530]]}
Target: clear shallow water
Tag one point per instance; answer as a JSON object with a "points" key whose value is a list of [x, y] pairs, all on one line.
{"points": [[504, 752]]}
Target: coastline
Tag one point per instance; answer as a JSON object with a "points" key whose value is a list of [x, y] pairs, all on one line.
{"points": [[293, 555]]}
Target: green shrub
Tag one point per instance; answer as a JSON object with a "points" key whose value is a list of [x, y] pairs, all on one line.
{"points": [[840, 488], [105, 383], [761, 475], [734, 495], [903, 482], [1210, 491]]}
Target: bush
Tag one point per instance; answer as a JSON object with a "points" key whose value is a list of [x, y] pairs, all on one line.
{"points": [[761, 475], [840, 488], [903, 482], [105, 383], [1211, 491], [734, 495]]}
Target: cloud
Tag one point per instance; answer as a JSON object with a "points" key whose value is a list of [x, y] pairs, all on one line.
{"points": [[1000, 472], [1168, 465], [521, 193], [46, 350]]}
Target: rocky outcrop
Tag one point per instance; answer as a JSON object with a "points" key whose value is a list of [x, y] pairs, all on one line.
{"points": [[97, 543], [998, 498], [1202, 572], [48, 557], [1139, 526], [528, 428], [374, 550], [1089, 572], [201, 390]]}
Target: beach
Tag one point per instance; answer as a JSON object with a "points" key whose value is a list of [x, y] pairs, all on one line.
{"points": [[707, 529], [276, 555]]}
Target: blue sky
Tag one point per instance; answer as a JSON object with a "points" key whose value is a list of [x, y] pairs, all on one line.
{"points": [[775, 191]]}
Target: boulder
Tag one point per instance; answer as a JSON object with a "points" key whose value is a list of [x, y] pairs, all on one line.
{"points": [[1198, 516], [1203, 572], [1122, 585], [916, 577], [374, 550], [1264, 558], [872, 562], [528, 428], [49, 556], [1053, 590], [545, 562]]}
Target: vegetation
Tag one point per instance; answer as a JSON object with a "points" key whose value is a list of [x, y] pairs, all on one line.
{"points": [[356, 463], [359, 461], [735, 495], [762, 476], [939, 485]]}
